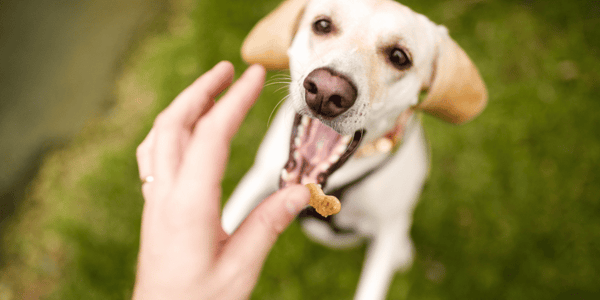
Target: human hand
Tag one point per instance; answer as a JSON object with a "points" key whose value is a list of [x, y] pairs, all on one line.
{"points": [[184, 252]]}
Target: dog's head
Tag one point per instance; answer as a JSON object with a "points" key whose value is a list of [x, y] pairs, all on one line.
{"points": [[359, 63]]}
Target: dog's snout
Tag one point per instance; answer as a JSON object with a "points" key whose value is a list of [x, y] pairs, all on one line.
{"points": [[329, 94]]}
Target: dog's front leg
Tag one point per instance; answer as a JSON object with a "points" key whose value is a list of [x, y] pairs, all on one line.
{"points": [[263, 178], [382, 261]]}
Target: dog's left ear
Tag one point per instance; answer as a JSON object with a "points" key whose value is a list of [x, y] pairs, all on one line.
{"points": [[269, 40], [456, 91]]}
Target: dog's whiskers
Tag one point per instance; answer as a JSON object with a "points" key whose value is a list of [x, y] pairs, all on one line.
{"points": [[276, 82], [279, 79], [281, 88], [274, 109], [284, 76]]}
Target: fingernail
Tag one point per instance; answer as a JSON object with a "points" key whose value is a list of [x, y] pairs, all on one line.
{"points": [[297, 198]]}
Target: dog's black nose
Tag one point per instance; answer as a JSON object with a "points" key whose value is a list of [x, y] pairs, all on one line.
{"points": [[329, 94]]}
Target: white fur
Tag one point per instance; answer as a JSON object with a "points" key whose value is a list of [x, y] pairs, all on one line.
{"points": [[379, 207]]}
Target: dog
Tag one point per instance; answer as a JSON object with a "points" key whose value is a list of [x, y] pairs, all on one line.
{"points": [[352, 120]]}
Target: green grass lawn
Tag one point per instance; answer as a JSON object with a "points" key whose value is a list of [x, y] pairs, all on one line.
{"points": [[511, 210]]}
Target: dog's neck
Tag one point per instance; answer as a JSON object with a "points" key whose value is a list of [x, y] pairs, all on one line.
{"points": [[391, 140]]}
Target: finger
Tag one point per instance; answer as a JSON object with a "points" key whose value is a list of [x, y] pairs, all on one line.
{"points": [[230, 111], [144, 155], [144, 159], [175, 123], [206, 156], [193, 102], [249, 246]]}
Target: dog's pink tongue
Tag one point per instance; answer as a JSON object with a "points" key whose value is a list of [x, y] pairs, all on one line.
{"points": [[315, 151]]}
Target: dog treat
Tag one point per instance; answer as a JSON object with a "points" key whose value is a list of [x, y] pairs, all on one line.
{"points": [[323, 204]]}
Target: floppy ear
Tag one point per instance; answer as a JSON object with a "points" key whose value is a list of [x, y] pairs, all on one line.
{"points": [[456, 91], [269, 40]]}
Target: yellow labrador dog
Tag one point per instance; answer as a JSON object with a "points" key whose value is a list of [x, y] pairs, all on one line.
{"points": [[351, 121]]}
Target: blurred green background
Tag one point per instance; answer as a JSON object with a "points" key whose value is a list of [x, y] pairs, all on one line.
{"points": [[511, 211]]}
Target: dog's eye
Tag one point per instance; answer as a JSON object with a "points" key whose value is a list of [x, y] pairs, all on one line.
{"points": [[399, 58], [322, 26]]}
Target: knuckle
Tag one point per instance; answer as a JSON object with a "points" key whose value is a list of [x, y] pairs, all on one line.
{"points": [[163, 120], [269, 223], [229, 270]]}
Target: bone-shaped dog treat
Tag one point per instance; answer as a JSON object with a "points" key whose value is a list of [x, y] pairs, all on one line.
{"points": [[323, 204]]}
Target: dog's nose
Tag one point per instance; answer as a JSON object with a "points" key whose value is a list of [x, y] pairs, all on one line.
{"points": [[327, 93]]}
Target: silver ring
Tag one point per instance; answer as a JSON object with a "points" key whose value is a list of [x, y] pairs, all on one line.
{"points": [[147, 179]]}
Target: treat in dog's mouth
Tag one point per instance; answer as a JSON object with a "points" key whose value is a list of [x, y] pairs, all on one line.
{"points": [[316, 151]]}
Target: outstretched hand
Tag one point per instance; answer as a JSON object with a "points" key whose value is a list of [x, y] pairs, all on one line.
{"points": [[184, 252]]}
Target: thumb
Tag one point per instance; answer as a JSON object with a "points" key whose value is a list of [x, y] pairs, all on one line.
{"points": [[250, 244]]}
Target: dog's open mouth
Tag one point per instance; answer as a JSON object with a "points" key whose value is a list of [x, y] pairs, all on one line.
{"points": [[316, 151]]}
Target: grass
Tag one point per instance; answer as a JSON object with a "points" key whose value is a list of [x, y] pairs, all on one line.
{"points": [[510, 211]]}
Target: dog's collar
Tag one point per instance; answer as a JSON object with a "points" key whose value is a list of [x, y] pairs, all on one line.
{"points": [[390, 141]]}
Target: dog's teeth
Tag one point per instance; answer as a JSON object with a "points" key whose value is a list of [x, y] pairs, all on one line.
{"points": [[285, 175], [334, 158], [296, 155], [305, 120], [297, 141], [340, 149], [300, 131], [324, 166], [346, 139]]}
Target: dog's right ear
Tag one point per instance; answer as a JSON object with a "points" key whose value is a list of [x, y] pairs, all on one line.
{"points": [[269, 40]]}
